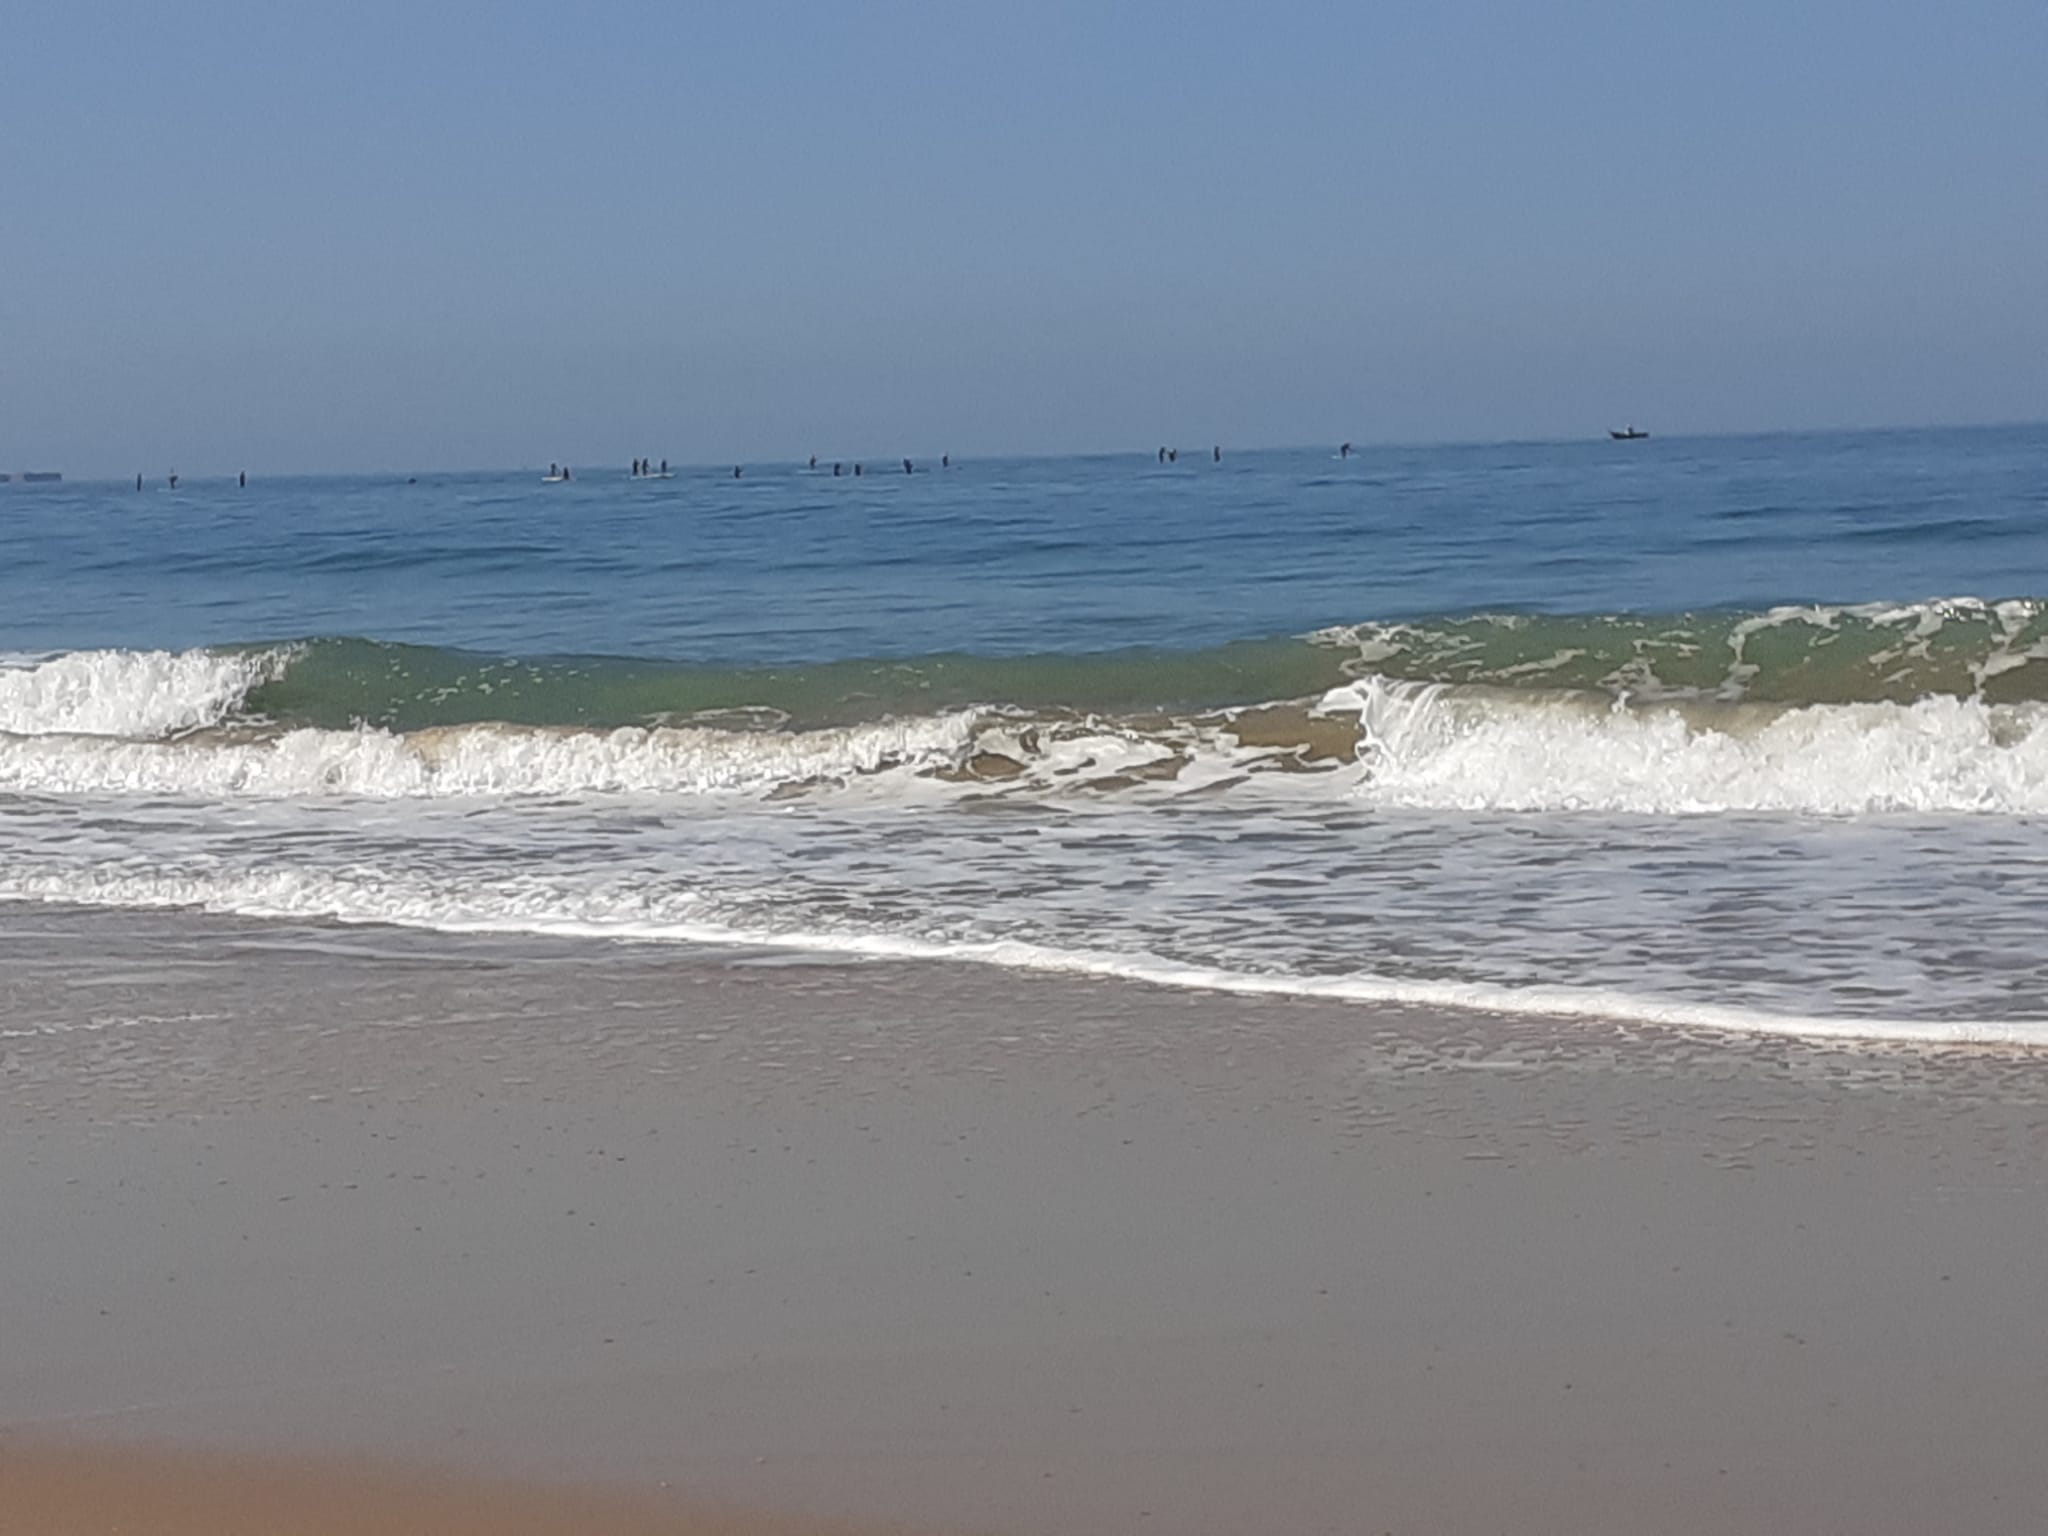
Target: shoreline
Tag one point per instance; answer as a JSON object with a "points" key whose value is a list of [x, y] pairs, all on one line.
{"points": [[993, 1251]]}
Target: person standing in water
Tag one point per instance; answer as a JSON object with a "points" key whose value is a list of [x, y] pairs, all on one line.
{"points": [[174, 479], [1216, 454], [1344, 452], [242, 480], [664, 466], [814, 461], [856, 466], [1162, 455], [906, 467], [138, 482], [945, 461], [735, 471], [835, 469]]}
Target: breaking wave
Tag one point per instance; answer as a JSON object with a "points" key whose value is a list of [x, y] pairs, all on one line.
{"points": [[1683, 715]]}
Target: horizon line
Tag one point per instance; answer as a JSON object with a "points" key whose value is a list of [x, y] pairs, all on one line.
{"points": [[1359, 445]]}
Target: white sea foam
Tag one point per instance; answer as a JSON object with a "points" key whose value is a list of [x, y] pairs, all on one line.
{"points": [[127, 693], [1421, 746], [516, 908], [478, 760], [1426, 745]]}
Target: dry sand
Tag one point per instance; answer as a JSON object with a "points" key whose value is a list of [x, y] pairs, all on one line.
{"points": [[983, 1252]]}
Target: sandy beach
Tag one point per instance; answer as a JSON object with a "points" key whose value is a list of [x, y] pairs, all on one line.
{"points": [[957, 1249]]}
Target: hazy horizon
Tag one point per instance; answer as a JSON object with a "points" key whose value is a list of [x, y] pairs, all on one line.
{"points": [[885, 461], [381, 240]]}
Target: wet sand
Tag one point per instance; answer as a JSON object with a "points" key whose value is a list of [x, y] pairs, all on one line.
{"points": [[986, 1252], [92, 1491]]}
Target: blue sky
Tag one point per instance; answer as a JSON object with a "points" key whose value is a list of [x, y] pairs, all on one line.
{"points": [[390, 236]]}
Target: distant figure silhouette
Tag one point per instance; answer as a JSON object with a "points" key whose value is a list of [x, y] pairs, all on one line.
{"points": [[814, 461], [1162, 455], [242, 480], [835, 469], [1216, 454], [138, 482], [174, 480], [945, 461], [1344, 452], [906, 467], [735, 471], [856, 466], [1173, 455], [664, 466]]}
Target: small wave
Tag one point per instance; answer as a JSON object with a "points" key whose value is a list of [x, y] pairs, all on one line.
{"points": [[488, 760], [129, 693], [1428, 745], [1961, 647]]}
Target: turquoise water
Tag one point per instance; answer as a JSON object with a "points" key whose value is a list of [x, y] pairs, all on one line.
{"points": [[1744, 732]]}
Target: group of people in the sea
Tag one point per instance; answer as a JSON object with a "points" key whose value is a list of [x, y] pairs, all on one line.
{"points": [[644, 469]]}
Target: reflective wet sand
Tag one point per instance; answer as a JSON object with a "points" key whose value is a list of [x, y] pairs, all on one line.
{"points": [[981, 1251]]}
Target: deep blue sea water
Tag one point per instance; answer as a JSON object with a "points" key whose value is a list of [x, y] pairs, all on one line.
{"points": [[1028, 555], [1745, 732]]}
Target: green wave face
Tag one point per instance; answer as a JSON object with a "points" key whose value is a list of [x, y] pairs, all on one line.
{"points": [[1870, 653], [1997, 652], [336, 684]]}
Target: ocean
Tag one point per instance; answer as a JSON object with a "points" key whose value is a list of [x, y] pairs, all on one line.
{"points": [[1744, 733]]}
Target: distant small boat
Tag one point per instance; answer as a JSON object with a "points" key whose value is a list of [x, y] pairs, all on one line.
{"points": [[554, 479], [1626, 434]]}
